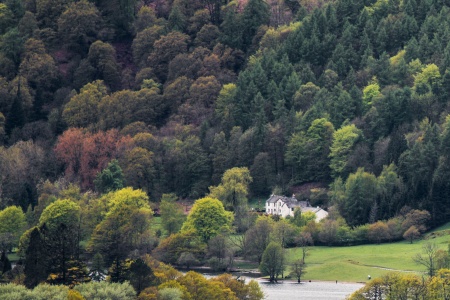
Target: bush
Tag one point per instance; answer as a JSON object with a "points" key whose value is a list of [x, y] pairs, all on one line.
{"points": [[106, 290]]}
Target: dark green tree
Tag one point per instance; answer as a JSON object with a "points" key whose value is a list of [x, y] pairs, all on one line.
{"points": [[110, 179], [272, 263], [232, 28], [359, 197], [172, 215], [36, 259], [255, 14], [141, 275], [177, 20]]}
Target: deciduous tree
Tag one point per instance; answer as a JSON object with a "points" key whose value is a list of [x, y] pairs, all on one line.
{"points": [[298, 269], [12, 226], [110, 179], [82, 109], [78, 25], [411, 234], [272, 263], [208, 218], [427, 258], [234, 188], [124, 228], [172, 216], [165, 49]]}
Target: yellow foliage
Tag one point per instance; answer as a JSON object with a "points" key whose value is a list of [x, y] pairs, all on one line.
{"points": [[396, 59], [74, 295]]}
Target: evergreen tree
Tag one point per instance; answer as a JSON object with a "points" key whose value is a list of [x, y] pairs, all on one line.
{"points": [[255, 14], [36, 256], [110, 179], [16, 116]]}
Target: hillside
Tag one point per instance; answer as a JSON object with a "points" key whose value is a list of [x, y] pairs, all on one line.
{"points": [[295, 93], [112, 110]]}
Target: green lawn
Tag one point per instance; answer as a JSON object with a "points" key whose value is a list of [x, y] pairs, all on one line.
{"points": [[356, 262]]}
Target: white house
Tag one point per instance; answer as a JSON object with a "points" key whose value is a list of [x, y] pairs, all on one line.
{"points": [[285, 206]]}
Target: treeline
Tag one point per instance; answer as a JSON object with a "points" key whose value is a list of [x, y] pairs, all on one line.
{"points": [[405, 286], [189, 286]]}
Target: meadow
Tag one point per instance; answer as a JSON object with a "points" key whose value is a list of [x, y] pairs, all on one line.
{"points": [[355, 263]]}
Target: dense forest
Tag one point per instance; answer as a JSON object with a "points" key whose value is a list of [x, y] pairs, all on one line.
{"points": [[344, 103], [321, 93]]}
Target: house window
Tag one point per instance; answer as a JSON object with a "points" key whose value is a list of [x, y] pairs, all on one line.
{"points": [[292, 209]]}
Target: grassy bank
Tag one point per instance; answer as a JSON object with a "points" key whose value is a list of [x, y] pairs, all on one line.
{"points": [[355, 263]]}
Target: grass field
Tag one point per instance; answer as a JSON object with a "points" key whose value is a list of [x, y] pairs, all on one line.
{"points": [[355, 263]]}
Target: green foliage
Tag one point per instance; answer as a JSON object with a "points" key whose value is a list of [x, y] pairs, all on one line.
{"points": [[395, 285], [272, 263], [125, 226], [60, 212], [370, 92], [255, 14], [374, 70], [359, 196], [208, 218], [172, 215], [12, 226], [307, 153], [110, 179], [170, 249], [43, 291], [82, 109], [141, 275], [106, 290], [233, 189], [258, 238], [344, 139], [170, 294], [78, 25]]}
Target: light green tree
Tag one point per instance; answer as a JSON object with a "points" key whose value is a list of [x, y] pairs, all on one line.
{"points": [[60, 212], [370, 92], [12, 226], [82, 109], [233, 189], [208, 218], [344, 139], [125, 226], [106, 290]]}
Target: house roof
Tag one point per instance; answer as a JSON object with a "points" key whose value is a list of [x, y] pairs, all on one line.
{"points": [[312, 209], [291, 202]]}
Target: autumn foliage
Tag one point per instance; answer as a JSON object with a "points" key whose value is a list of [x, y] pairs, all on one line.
{"points": [[84, 154]]}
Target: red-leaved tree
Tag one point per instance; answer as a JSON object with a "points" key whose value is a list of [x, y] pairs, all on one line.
{"points": [[84, 154]]}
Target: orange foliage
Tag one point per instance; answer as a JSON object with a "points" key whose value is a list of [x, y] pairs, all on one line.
{"points": [[84, 154]]}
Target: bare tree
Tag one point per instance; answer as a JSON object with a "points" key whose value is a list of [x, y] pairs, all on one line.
{"points": [[304, 241], [298, 269], [428, 258]]}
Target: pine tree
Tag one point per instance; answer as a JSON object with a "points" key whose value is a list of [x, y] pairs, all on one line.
{"points": [[255, 14], [36, 264], [16, 116]]}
